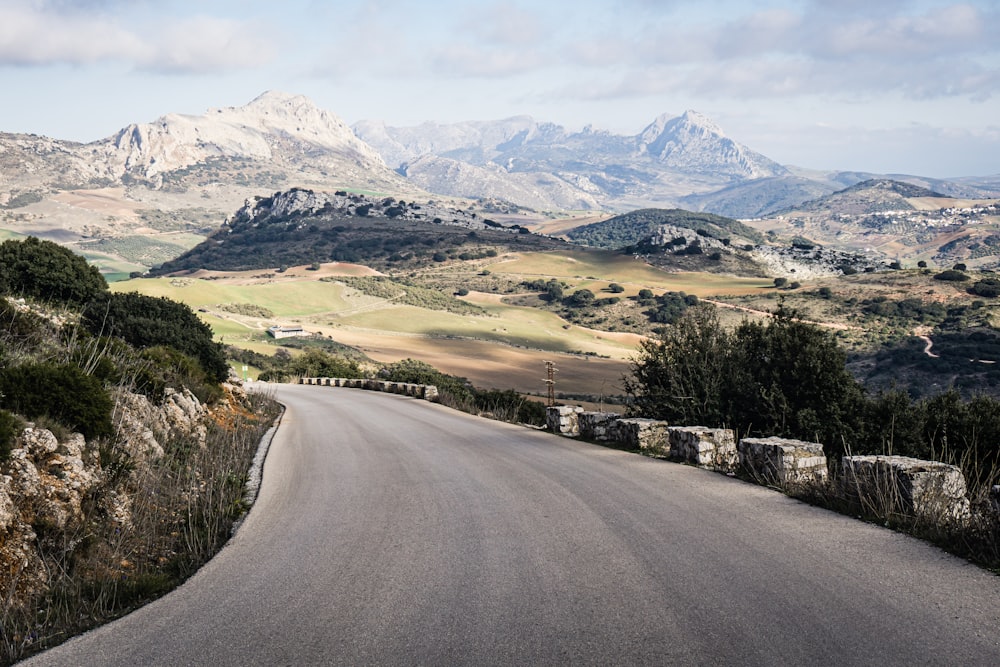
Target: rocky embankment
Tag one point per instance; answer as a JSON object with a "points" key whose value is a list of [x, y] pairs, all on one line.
{"points": [[78, 515]]}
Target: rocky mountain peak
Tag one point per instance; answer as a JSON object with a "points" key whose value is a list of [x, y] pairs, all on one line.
{"points": [[274, 127], [693, 142]]}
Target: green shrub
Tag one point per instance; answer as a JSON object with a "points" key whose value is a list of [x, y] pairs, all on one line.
{"points": [[10, 426], [60, 391], [169, 367], [146, 321], [953, 275], [47, 271]]}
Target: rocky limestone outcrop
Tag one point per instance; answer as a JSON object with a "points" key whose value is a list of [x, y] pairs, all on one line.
{"points": [[46, 484], [43, 485], [143, 427]]}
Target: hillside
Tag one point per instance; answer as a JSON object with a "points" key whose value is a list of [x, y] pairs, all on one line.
{"points": [[152, 190], [305, 227], [898, 221], [631, 228]]}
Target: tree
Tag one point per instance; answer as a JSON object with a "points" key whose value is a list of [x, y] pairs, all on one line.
{"points": [[780, 282], [615, 288], [554, 290], [960, 267], [789, 378], [680, 376], [44, 270], [581, 298], [922, 264], [146, 321], [785, 378]]}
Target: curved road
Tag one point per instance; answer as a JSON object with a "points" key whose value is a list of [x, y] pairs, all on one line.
{"points": [[392, 531]]}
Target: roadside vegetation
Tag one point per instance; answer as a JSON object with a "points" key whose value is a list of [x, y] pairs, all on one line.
{"points": [[75, 358], [789, 378]]}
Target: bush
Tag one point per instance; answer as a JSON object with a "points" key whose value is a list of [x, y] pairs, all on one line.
{"points": [[615, 288], [60, 391], [989, 287], [10, 427], [581, 298], [47, 271], [953, 275], [785, 378], [146, 321]]}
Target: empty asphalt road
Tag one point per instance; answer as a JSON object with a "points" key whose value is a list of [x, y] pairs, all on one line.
{"points": [[390, 531]]}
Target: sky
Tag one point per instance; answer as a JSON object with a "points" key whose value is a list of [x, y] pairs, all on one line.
{"points": [[885, 86]]}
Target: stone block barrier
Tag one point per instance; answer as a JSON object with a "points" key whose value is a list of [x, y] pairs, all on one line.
{"points": [[564, 419], [783, 461], [705, 447], [598, 426], [648, 435], [908, 486], [427, 392]]}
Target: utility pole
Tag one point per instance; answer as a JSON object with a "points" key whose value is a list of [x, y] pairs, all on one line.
{"points": [[550, 381]]}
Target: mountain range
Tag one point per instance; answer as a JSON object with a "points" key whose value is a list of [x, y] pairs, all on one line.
{"points": [[279, 141]]}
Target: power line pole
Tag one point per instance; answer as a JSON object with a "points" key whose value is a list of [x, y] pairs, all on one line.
{"points": [[550, 381]]}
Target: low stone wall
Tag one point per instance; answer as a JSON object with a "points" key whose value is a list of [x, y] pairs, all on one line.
{"points": [[428, 392], [648, 435], [705, 447], [782, 461], [904, 485], [563, 419], [598, 426]]}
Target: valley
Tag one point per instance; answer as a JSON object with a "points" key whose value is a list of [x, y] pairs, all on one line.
{"points": [[501, 244]]}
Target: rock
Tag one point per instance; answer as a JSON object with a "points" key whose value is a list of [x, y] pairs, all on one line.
{"points": [[39, 442]]}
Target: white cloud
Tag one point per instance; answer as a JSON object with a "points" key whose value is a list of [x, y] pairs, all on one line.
{"points": [[504, 24], [464, 60], [947, 50], [39, 34]]}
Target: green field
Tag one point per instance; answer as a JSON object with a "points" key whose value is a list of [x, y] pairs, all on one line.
{"points": [[285, 299], [595, 269]]}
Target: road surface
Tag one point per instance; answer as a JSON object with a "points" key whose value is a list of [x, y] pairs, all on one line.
{"points": [[390, 531]]}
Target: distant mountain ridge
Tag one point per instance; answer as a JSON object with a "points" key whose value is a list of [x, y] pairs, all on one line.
{"points": [[125, 196], [670, 159]]}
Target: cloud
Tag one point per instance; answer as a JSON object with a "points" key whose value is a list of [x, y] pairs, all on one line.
{"points": [[203, 44], [464, 60], [61, 33], [842, 51], [504, 24]]}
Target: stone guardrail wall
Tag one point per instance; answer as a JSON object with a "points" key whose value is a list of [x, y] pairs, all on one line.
{"points": [[428, 392], [900, 484]]}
